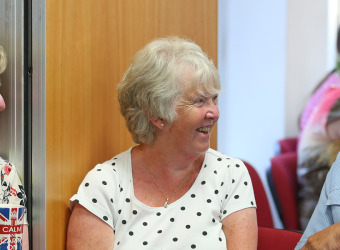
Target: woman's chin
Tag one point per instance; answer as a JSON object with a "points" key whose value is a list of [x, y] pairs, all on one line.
{"points": [[203, 147]]}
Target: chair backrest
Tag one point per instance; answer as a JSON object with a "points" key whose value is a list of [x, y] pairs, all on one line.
{"points": [[282, 180], [278, 239], [263, 211], [288, 145]]}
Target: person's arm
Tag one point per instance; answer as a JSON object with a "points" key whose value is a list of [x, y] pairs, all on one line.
{"points": [[25, 238], [87, 231], [328, 238], [240, 229]]}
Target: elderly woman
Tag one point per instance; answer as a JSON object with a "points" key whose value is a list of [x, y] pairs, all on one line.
{"points": [[170, 191], [11, 188]]}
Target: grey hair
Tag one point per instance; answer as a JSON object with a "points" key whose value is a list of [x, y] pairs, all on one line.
{"points": [[151, 86], [3, 60]]}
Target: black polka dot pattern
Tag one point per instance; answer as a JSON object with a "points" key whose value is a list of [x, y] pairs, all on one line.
{"points": [[222, 187]]}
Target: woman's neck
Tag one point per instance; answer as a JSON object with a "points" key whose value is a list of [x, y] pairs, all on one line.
{"points": [[162, 176], [168, 160]]}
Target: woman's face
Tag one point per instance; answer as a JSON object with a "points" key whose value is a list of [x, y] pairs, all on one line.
{"points": [[2, 103], [197, 115]]}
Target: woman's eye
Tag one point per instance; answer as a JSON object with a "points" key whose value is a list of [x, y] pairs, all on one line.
{"points": [[199, 101], [215, 99]]}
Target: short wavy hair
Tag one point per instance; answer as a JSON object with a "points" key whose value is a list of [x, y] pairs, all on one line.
{"points": [[151, 85]]}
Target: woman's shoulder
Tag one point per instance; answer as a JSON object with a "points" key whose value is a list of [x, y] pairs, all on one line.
{"points": [[4, 162], [120, 162], [119, 158], [118, 165], [212, 154], [226, 164], [6, 166]]}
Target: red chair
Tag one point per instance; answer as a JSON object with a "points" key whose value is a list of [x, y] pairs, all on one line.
{"points": [[263, 211], [282, 179], [288, 145], [278, 239]]}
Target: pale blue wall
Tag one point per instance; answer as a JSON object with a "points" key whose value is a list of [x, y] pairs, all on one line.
{"points": [[252, 68], [264, 59]]}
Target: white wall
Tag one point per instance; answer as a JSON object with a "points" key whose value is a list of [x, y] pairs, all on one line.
{"points": [[306, 55], [271, 55]]}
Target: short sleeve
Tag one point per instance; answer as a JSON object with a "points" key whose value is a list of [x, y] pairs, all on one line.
{"points": [[240, 193], [97, 193]]}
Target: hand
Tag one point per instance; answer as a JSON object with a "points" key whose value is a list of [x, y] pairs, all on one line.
{"points": [[329, 238]]}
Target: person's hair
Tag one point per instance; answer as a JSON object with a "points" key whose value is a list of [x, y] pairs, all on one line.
{"points": [[151, 87], [333, 70], [3, 60]]}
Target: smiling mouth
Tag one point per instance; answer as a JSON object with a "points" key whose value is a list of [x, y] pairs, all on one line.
{"points": [[204, 130]]}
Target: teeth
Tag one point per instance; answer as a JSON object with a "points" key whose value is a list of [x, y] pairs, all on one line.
{"points": [[204, 130]]}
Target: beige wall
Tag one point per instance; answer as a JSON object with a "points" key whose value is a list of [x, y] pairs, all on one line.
{"points": [[89, 45]]}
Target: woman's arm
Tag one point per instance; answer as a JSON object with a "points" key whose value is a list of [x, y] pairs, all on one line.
{"points": [[240, 229], [87, 231]]}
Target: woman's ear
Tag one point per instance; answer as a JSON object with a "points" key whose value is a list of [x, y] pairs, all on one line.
{"points": [[159, 123]]}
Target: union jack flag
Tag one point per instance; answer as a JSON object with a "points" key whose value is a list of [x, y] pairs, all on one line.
{"points": [[11, 228]]}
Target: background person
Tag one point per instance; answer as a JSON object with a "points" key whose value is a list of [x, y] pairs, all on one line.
{"points": [[319, 141], [170, 191], [11, 189], [323, 230]]}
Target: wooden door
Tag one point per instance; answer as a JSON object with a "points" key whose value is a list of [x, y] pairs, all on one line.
{"points": [[90, 44]]}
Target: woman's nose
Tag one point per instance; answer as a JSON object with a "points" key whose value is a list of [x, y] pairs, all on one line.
{"points": [[213, 112]]}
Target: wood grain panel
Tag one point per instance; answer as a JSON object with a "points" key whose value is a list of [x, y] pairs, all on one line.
{"points": [[89, 46]]}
